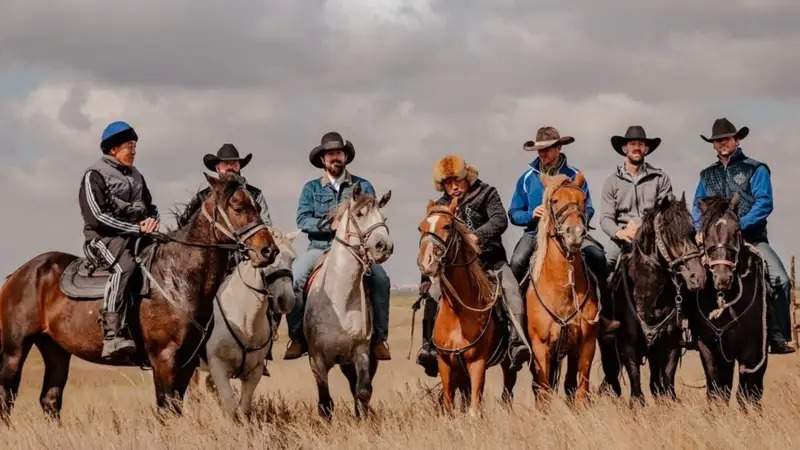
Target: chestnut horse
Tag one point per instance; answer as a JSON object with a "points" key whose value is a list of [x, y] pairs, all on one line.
{"points": [[467, 334], [562, 297], [172, 322]]}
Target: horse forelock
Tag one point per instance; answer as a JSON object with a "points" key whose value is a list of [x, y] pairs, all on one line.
{"points": [[716, 208]]}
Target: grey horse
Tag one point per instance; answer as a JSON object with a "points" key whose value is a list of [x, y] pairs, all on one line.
{"points": [[338, 316]]}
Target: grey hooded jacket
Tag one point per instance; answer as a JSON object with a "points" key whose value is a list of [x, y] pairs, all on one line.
{"points": [[626, 197]]}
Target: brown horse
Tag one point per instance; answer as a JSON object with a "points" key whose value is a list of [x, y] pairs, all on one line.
{"points": [[467, 335], [172, 321], [561, 298]]}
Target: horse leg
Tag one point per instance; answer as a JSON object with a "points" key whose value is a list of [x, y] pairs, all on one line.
{"points": [[719, 374], [571, 377], [656, 360], [363, 380], [509, 380], [349, 372], [585, 359], [14, 353], [541, 369], [609, 357], [477, 380], [218, 370], [670, 368], [166, 381], [631, 361], [249, 384], [56, 371], [446, 374], [320, 370], [751, 388]]}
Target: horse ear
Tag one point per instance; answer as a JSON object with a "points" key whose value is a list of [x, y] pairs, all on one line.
{"points": [[702, 205], [356, 191], [212, 181], [384, 199], [292, 236], [683, 197], [453, 205], [579, 179], [734, 204]]}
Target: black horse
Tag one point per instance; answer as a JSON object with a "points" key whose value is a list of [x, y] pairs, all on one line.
{"points": [[647, 290], [730, 316]]}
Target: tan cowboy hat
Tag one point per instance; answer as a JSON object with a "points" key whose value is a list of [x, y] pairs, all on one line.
{"points": [[547, 137], [331, 141], [453, 166]]}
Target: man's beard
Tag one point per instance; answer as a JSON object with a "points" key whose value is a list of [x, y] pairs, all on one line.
{"points": [[335, 168], [638, 162]]}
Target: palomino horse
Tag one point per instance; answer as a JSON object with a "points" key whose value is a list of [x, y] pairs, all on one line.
{"points": [[647, 289], [338, 317], [562, 297], [186, 271], [731, 315], [243, 329], [467, 334]]}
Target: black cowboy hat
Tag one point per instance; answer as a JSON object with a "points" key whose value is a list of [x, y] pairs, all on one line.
{"points": [[331, 141], [723, 128], [634, 133], [225, 153]]}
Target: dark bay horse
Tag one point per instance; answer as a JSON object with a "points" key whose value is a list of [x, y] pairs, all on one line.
{"points": [[563, 308], [172, 321], [647, 290], [731, 314], [467, 334]]}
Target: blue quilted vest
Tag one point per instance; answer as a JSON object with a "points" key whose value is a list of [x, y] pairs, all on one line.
{"points": [[722, 181]]}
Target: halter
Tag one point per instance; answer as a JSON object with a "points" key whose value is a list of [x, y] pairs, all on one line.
{"points": [[672, 263], [238, 235], [359, 249], [735, 249]]}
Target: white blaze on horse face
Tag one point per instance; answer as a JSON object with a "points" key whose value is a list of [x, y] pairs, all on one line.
{"points": [[432, 221]]}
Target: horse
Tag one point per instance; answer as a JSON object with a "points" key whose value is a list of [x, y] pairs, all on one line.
{"points": [[562, 302], [172, 320], [337, 322], [647, 291], [731, 312], [467, 333], [243, 329]]}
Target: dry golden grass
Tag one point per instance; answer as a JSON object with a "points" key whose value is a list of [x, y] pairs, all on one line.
{"points": [[113, 408]]}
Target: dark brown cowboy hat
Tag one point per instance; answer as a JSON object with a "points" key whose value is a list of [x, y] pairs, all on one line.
{"points": [[547, 137], [225, 153], [634, 133], [331, 141], [723, 128]]}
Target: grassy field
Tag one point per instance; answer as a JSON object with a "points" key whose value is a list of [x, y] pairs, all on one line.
{"points": [[108, 408]]}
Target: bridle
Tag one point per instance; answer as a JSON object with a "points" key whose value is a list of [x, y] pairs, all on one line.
{"points": [[359, 249], [709, 249], [560, 216], [673, 264]]}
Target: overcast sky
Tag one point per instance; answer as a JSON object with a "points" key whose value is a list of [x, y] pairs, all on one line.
{"points": [[406, 82]]}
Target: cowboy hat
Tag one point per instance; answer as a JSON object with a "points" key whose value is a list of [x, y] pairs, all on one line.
{"points": [[331, 141], [453, 166], [723, 128], [634, 133], [547, 137], [225, 153]]}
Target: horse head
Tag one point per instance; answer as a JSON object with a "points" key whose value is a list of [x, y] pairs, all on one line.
{"points": [[277, 277], [441, 236], [362, 226], [564, 217], [722, 238], [234, 217]]}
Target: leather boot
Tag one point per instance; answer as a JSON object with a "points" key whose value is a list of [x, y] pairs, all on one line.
{"points": [[295, 349], [518, 351], [426, 357], [115, 345], [380, 350]]}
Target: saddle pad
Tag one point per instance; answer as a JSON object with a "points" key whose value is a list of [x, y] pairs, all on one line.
{"points": [[314, 272], [82, 281]]}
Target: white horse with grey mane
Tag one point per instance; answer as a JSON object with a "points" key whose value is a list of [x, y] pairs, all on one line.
{"points": [[242, 333], [338, 317]]}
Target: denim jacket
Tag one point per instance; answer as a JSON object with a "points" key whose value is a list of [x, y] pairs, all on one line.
{"points": [[318, 200]]}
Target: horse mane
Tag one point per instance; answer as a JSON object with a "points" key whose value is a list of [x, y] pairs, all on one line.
{"points": [[476, 272], [715, 208], [362, 201], [676, 225], [544, 224], [186, 213]]}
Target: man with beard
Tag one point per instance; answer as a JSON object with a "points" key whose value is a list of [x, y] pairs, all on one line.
{"points": [[481, 209], [226, 160], [632, 189], [319, 198]]}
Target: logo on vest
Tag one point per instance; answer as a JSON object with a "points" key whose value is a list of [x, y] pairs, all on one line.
{"points": [[740, 178]]}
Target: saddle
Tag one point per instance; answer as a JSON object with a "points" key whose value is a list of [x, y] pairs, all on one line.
{"points": [[83, 280]]}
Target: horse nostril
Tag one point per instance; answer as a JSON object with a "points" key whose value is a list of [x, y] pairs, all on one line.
{"points": [[268, 253]]}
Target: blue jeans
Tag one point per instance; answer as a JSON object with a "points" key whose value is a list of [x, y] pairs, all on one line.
{"points": [[778, 323], [378, 284]]}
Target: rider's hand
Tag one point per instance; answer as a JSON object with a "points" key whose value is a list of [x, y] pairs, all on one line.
{"points": [[424, 287], [148, 226], [699, 238], [474, 240], [623, 235], [538, 212]]}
